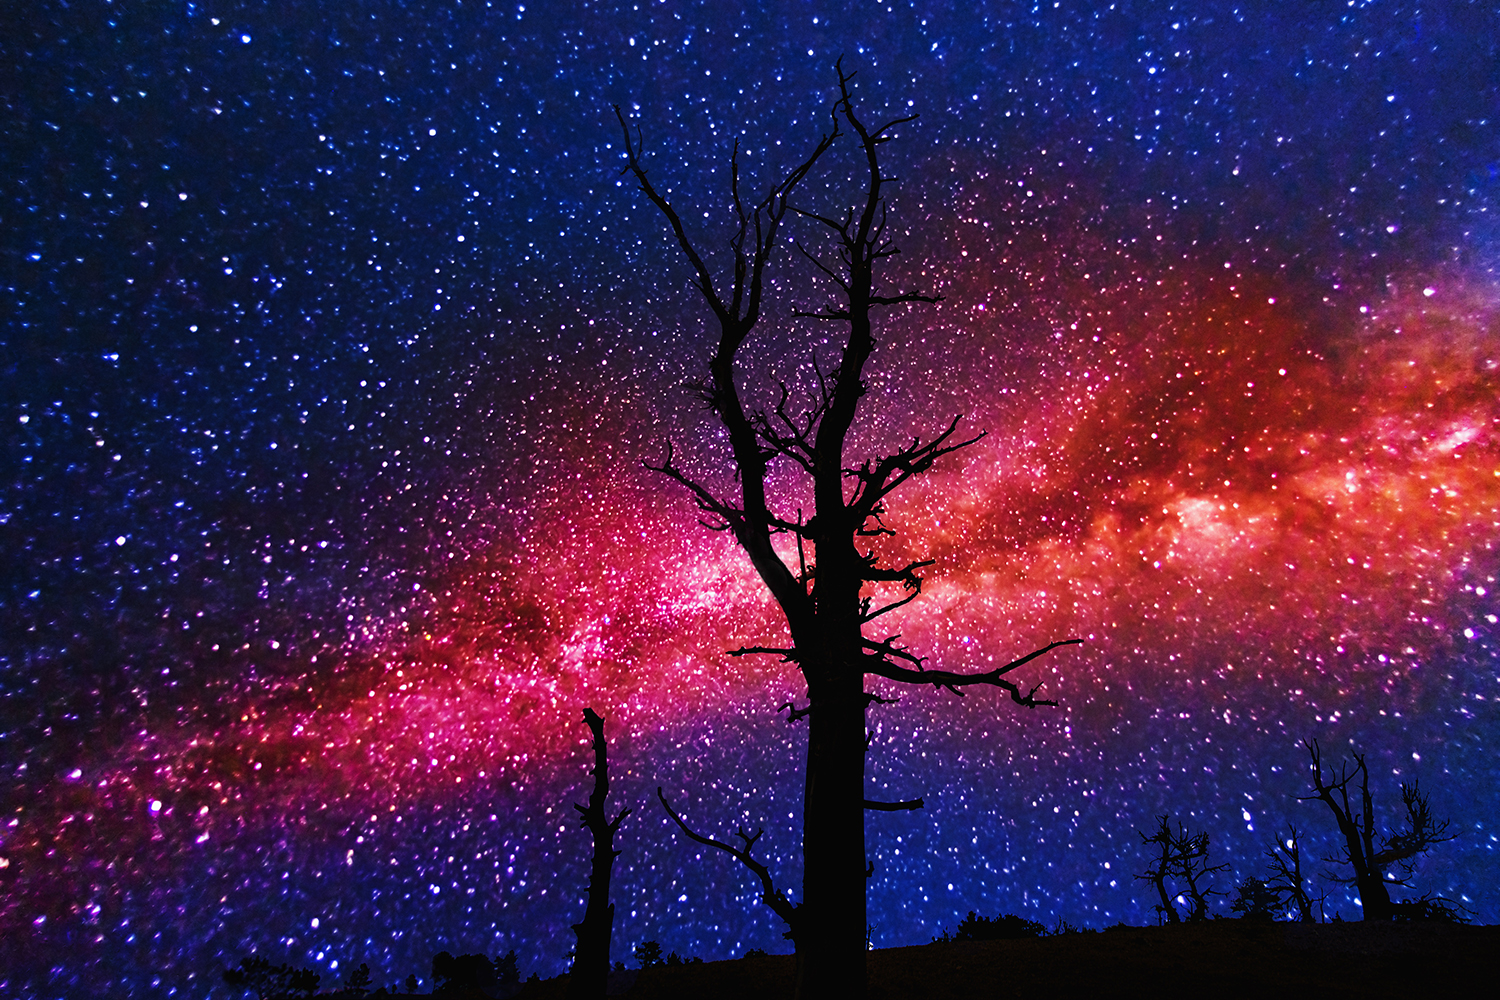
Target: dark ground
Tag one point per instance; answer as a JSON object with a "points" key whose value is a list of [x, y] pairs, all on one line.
{"points": [[1221, 959]]}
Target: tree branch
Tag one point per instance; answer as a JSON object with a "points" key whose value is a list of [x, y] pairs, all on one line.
{"points": [[828, 313], [788, 655], [891, 300], [880, 666], [837, 278], [633, 165], [770, 895], [906, 575], [887, 647], [872, 615], [908, 804], [794, 712], [737, 318], [707, 502]]}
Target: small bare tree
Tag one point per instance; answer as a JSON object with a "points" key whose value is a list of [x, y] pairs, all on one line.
{"points": [[822, 594], [590, 973], [1160, 870], [1183, 858], [1287, 879], [1371, 856]]}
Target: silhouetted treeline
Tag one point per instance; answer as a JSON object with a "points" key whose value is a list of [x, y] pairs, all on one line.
{"points": [[461, 975], [474, 972], [271, 982]]}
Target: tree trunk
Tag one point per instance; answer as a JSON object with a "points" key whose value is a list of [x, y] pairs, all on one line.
{"points": [[1374, 896], [831, 942], [1369, 875], [1168, 910], [590, 973]]}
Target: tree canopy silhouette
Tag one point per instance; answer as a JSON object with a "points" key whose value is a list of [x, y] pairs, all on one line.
{"points": [[468, 973], [1255, 899], [357, 982], [648, 953], [825, 595], [272, 982]]}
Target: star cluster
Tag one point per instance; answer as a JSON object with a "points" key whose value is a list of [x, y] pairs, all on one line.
{"points": [[335, 344]]}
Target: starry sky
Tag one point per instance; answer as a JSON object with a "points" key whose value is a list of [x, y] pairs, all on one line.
{"points": [[334, 342]]}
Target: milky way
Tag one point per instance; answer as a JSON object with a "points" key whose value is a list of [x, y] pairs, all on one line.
{"points": [[335, 345]]}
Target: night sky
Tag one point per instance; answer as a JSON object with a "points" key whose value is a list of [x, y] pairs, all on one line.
{"points": [[334, 342]]}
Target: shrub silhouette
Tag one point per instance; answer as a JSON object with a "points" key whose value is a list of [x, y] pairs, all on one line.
{"points": [[357, 983], [1255, 900], [1008, 927], [472, 972], [1431, 908], [269, 981]]}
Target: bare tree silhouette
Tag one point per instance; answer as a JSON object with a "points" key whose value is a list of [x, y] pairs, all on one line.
{"points": [[1287, 879], [590, 974], [1371, 856], [1160, 871], [1183, 858], [823, 597]]}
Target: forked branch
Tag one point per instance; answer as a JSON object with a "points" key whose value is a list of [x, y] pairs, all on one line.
{"points": [[732, 517], [793, 712], [787, 654], [878, 479], [743, 307], [770, 895], [906, 575], [737, 315]]}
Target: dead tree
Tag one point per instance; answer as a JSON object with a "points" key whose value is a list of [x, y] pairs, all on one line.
{"points": [[1372, 857], [1193, 869], [1160, 870], [591, 959], [1287, 879], [1183, 858], [823, 596]]}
